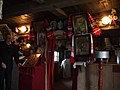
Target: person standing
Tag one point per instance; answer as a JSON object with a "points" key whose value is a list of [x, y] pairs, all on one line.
{"points": [[8, 53]]}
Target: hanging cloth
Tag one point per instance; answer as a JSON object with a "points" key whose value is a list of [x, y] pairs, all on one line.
{"points": [[72, 57], [92, 49], [69, 33], [51, 39], [50, 62], [96, 30]]}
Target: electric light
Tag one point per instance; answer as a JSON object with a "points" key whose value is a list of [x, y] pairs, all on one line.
{"points": [[106, 20], [28, 45], [23, 29]]}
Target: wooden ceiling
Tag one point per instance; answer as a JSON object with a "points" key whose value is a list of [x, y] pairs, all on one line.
{"points": [[17, 12]]}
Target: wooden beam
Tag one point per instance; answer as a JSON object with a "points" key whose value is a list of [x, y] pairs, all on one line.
{"points": [[53, 11], [31, 7], [58, 12], [39, 1]]}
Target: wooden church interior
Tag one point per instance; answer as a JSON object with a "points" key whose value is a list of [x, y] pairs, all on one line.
{"points": [[39, 16]]}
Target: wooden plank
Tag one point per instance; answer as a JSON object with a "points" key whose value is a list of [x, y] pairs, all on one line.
{"points": [[107, 77], [31, 7], [116, 81], [111, 79], [58, 12], [92, 77], [81, 79], [39, 1]]}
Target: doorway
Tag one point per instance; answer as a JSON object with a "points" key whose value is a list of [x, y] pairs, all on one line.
{"points": [[62, 69], [57, 45]]}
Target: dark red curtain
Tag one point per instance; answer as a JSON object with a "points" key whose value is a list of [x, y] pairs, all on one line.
{"points": [[50, 61]]}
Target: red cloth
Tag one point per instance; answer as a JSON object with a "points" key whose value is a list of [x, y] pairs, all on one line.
{"points": [[72, 57], [92, 49], [32, 78], [96, 30], [50, 61]]}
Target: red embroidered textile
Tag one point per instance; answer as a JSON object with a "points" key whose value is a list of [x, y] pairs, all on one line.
{"points": [[32, 78]]}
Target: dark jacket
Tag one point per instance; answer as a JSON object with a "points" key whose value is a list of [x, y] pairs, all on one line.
{"points": [[8, 53]]}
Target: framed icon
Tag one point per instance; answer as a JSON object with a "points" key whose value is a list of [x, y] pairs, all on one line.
{"points": [[41, 39], [82, 46], [80, 24]]}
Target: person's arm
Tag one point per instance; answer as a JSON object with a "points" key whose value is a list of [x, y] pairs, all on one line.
{"points": [[16, 54], [2, 64]]}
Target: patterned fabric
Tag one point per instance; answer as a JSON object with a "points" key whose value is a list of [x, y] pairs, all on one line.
{"points": [[50, 61], [96, 30], [72, 58], [92, 49]]}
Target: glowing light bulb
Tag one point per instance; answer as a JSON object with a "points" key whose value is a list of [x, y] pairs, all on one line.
{"points": [[23, 29], [106, 20], [28, 45]]}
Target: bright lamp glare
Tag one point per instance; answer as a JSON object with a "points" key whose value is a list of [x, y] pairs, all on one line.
{"points": [[28, 45], [106, 20], [23, 29]]}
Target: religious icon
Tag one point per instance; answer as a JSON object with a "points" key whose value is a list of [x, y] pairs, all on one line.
{"points": [[82, 47], [80, 24], [82, 44], [41, 39]]}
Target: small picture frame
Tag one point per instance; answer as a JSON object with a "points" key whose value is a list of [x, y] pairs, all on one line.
{"points": [[80, 24], [82, 46], [41, 39]]}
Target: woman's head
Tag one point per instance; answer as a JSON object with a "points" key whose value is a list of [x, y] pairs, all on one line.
{"points": [[8, 37]]}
